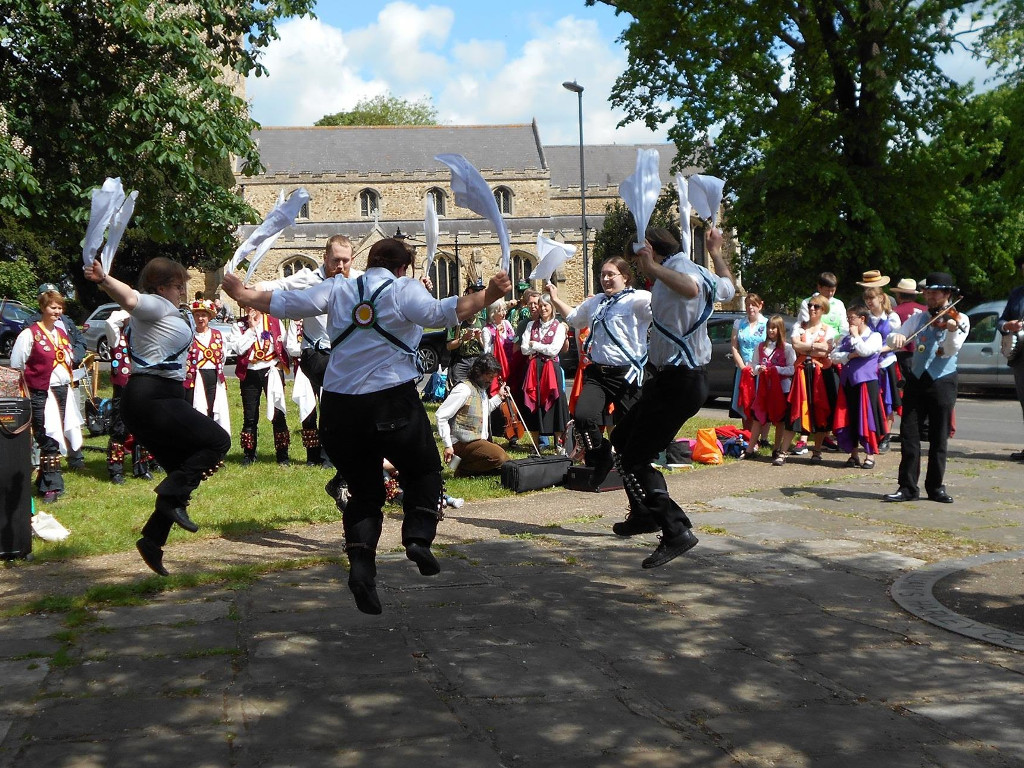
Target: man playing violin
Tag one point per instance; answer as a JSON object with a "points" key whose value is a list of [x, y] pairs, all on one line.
{"points": [[936, 337], [463, 420]]}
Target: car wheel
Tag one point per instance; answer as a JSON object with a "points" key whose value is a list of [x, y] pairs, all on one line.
{"points": [[428, 358], [103, 350], [6, 345]]}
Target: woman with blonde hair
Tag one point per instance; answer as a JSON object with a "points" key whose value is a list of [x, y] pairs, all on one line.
{"points": [[884, 321]]}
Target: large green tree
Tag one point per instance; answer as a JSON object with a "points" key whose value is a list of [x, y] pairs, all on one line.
{"points": [[385, 109], [820, 115], [140, 89]]}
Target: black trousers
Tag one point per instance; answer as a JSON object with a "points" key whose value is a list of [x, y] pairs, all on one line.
{"points": [[208, 381], [252, 389], [314, 366], [188, 445], [1018, 380], [602, 386], [933, 399], [358, 432], [49, 477], [667, 401]]}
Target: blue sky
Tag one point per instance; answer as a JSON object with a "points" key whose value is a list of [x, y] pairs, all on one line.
{"points": [[481, 62]]}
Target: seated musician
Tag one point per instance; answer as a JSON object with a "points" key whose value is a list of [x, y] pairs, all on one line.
{"points": [[463, 421]]}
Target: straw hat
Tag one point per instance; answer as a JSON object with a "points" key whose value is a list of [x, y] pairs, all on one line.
{"points": [[203, 305], [873, 279], [905, 285]]}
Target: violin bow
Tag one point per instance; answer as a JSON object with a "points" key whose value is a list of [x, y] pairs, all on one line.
{"points": [[943, 311], [519, 415]]}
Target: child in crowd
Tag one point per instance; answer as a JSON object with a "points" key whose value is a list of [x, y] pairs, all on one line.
{"points": [[772, 367], [860, 415]]}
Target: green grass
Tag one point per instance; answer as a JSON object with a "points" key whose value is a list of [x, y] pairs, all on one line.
{"points": [[105, 518]]}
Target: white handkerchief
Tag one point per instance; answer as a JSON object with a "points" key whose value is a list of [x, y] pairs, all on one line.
{"points": [[118, 224], [282, 216], [430, 231], [551, 256], [471, 191], [706, 196], [685, 237], [640, 191], [106, 201]]}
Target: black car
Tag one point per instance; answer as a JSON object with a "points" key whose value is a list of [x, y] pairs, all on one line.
{"points": [[433, 353], [13, 318]]}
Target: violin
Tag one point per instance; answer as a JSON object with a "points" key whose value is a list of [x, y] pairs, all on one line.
{"points": [[515, 429], [942, 314]]}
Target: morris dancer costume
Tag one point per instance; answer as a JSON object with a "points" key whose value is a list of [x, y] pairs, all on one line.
{"points": [[44, 355], [371, 408], [815, 386], [316, 343], [749, 334], [261, 367], [680, 350], [204, 371], [121, 441], [546, 412], [155, 408], [860, 413], [616, 350]]}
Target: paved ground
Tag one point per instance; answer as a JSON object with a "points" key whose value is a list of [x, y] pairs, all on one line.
{"points": [[775, 642]]}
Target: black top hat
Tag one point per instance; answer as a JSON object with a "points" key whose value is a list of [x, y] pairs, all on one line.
{"points": [[939, 281]]}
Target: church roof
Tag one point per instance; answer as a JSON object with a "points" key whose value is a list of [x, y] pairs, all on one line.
{"points": [[604, 165], [398, 149]]}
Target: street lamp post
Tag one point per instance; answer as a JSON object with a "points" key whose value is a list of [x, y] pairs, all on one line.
{"points": [[578, 90]]}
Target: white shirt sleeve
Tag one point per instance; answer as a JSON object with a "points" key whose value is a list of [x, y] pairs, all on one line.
{"points": [[447, 410], [22, 349]]}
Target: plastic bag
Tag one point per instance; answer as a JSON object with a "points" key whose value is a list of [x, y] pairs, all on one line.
{"points": [[706, 449]]}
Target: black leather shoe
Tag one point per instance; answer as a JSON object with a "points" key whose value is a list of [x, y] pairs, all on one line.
{"points": [[900, 495], [941, 496], [180, 516], [152, 555], [424, 558], [366, 596], [670, 549], [883, 447], [634, 525]]}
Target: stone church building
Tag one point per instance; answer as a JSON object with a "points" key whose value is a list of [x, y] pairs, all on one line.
{"points": [[372, 182]]}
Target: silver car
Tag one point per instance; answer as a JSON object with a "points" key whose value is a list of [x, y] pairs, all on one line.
{"points": [[981, 365], [94, 329]]}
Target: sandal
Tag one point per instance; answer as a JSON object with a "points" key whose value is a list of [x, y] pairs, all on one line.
{"points": [[779, 459], [816, 457], [868, 464], [852, 462]]}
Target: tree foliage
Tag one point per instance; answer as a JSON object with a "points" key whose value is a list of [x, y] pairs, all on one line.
{"points": [[385, 109], [140, 89], [823, 118]]}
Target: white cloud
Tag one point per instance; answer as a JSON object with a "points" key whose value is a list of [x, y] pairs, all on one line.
{"points": [[309, 76], [396, 47], [316, 69]]}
